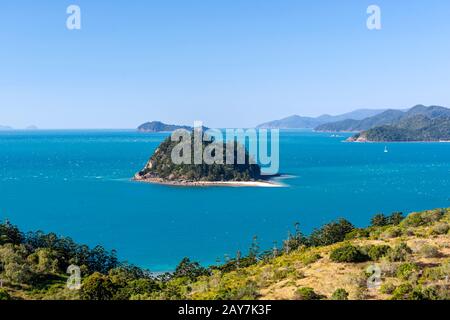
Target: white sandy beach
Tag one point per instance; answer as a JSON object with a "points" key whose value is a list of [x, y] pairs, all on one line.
{"points": [[258, 184]]}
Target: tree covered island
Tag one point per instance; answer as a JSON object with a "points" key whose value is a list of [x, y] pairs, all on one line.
{"points": [[228, 164]]}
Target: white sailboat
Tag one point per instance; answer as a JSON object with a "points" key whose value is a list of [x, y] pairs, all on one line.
{"points": [[386, 149]]}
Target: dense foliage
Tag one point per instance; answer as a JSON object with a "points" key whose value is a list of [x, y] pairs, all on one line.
{"points": [[348, 253], [414, 128]]}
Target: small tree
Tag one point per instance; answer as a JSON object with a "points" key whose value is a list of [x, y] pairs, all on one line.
{"points": [[307, 293], [331, 233], [396, 217], [4, 295], [14, 264], [98, 287], [188, 269], [399, 253], [340, 294], [294, 241], [254, 249], [10, 234], [379, 220]]}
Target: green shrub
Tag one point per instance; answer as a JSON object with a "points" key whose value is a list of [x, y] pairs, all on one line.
{"points": [[403, 292], [98, 287], [433, 273], [405, 270], [307, 294], [418, 219], [246, 291], [440, 228], [357, 234], [309, 258], [387, 288], [399, 253], [348, 253], [392, 232], [409, 292], [437, 273], [4, 295], [435, 292], [340, 294], [429, 251], [377, 252], [280, 274]]}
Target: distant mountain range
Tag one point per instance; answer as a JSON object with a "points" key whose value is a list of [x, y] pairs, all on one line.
{"points": [[298, 122], [388, 117], [417, 124], [420, 123], [6, 128]]}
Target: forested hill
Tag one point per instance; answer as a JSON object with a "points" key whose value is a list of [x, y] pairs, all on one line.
{"points": [[161, 167], [387, 118], [413, 129]]}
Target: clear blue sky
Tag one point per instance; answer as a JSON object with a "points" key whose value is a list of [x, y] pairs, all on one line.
{"points": [[230, 63]]}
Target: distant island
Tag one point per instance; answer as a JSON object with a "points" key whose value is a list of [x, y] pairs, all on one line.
{"points": [[5, 128], [157, 126], [427, 124]]}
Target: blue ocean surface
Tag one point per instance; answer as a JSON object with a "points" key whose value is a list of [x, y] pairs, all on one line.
{"points": [[77, 184]]}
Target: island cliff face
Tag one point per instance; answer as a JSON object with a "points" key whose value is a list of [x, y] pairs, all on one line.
{"points": [[161, 169]]}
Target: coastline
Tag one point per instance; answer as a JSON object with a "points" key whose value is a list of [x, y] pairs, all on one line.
{"points": [[400, 141], [241, 184]]}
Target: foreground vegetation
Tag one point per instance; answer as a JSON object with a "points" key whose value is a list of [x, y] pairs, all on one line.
{"points": [[394, 258]]}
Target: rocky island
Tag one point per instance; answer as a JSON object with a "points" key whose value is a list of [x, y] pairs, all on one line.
{"points": [[162, 170]]}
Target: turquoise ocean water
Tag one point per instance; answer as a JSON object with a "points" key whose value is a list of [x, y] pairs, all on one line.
{"points": [[77, 183]]}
